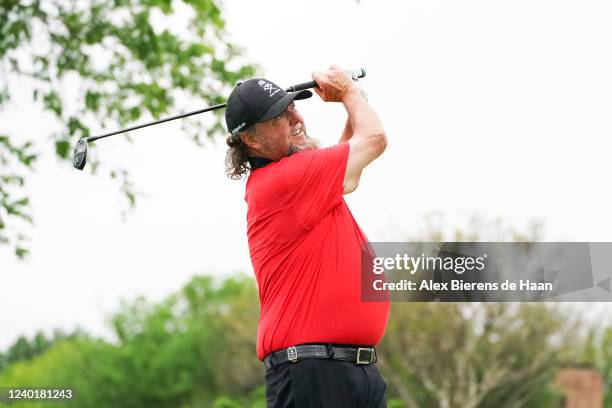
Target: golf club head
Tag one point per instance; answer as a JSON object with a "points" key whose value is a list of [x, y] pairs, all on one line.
{"points": [[79, 157]]}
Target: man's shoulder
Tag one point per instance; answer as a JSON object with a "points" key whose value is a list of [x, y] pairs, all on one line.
{"points": [[291, 168]]}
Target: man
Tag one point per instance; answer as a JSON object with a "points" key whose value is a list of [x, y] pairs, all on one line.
{"points": [[315, 334]]}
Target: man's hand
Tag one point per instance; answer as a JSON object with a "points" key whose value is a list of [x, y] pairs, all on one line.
{"points": [[334, 84]]}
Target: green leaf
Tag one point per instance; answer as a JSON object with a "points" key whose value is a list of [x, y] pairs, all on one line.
{"points": [[21, 252], [52, 102], [21, 202], [62, 148], [92, 100]]}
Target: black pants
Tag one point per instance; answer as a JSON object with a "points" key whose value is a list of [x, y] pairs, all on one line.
{"points": [[325, 383]]}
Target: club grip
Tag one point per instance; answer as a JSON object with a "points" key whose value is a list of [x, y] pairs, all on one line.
{"points": [[302, 86], [312, 84]]}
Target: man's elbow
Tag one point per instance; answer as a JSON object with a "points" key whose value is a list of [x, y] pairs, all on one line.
{"points": [[379, 142], [351, 185]]}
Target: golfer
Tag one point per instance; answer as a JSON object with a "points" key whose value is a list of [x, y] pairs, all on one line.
{"points": [[316, 336]]}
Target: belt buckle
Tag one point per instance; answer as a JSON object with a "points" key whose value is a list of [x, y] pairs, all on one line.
{"points": [[292, 354], [362, 349]]}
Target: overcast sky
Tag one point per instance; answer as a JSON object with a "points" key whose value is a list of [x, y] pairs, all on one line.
{"points": [[494, 108]]}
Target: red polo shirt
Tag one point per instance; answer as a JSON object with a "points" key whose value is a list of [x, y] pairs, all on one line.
{"points": [[305, 248]]}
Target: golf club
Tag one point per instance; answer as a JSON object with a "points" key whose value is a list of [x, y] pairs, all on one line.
{"points": [[79, 156]]}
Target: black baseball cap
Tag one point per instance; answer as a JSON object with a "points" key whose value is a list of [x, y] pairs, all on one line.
{"points": [[257, 100]]}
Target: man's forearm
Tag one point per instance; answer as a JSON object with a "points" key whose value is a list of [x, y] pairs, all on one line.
{"points": [[363, 120], [347, 133]]}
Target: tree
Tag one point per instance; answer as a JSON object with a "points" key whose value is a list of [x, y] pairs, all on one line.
{"points": [[195, 348], [109, 62], [195, 345], [24, 349], [474, 355]]}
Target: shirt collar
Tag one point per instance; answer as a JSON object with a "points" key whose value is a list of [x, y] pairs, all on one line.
{"points": [[258, 162]]}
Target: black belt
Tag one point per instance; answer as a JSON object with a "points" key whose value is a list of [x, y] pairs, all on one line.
{"points": [[353, 354]]}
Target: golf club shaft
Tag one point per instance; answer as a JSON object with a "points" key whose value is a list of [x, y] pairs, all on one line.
{"points": [[182, 115], [295, 88]]}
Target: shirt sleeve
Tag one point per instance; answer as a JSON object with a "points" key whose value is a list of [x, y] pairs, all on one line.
{"points": [[314, 181]]}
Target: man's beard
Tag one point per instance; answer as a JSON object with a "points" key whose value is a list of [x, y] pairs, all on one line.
{"points": [[309, 144]]}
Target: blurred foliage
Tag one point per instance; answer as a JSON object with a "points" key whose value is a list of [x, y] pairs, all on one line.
{"points": [[103, 62], [475, 355], [197, 347], [194, 349], [439, 228], [24, 349]]}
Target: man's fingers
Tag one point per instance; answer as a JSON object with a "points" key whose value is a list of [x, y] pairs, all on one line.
{"points": [[319, 92], [318, 77], [333, 84]]}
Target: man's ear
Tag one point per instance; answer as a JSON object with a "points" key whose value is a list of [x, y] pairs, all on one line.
{"points": [[249, 140]]}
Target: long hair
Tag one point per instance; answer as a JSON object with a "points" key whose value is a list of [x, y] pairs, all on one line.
{"points": [[236, 160]]}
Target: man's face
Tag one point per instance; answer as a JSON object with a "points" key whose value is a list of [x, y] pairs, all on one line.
{"points": [[282, 136]]}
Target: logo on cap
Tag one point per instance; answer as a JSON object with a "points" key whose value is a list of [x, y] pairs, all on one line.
{"points": [[238, 128], [268, 87]]}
